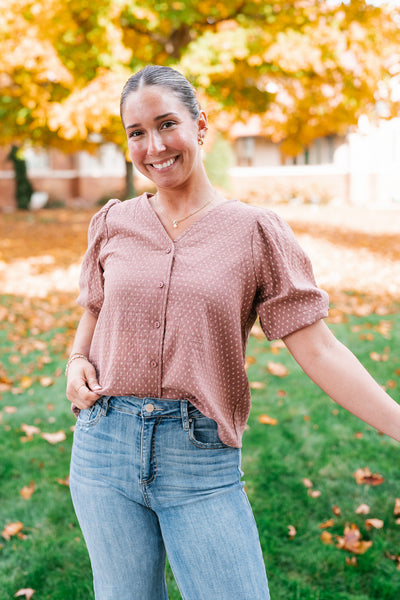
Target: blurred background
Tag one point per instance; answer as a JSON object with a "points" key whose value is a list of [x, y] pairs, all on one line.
{"points": [[303, 97]]}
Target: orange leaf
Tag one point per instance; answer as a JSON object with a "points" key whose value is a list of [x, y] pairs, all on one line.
{"points": [[396, 510], [54, 438], [27, 592], [277, 369], [10, 409], [12, 529], [378, 357], [257, 385], [291, 532], [326, 537], [314, 493], [336, 510], [363, 509], [26, 381], [376, 523], [63, 481], [266, 420], [364, 476], [29, 429], [46, 381], [326, 524], [28, 490], [307, 482], [351, 540]]}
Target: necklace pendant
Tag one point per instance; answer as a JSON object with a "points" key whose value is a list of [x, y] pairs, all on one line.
{"points": [[175, 223]]}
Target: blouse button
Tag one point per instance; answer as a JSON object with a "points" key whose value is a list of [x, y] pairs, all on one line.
{"points": [[154, 363], [157, 324], [168, 250], [161, 284]]}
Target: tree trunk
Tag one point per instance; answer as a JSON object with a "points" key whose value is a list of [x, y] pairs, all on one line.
{"points": [[23, 187]]}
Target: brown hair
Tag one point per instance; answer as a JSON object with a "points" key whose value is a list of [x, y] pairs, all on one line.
{"points": [[163, 77]]}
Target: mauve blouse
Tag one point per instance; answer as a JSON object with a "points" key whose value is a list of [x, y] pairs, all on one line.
{"points": [[174, 317]]}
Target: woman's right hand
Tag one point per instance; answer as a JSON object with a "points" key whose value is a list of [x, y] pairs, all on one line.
{"points": [[82, 384]]}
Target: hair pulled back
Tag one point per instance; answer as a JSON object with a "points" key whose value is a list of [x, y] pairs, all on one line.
{"points": [[165, 77]]}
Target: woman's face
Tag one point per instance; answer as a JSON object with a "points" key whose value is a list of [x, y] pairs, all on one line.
{"points": [[162, 136]]}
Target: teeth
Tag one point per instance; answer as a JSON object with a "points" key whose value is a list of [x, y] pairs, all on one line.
{"points": [[163, 165]]}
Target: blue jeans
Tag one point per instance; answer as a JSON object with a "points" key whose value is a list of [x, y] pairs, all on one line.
{"points": [[151, 477]]}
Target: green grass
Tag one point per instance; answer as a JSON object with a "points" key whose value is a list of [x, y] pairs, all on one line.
{"points": [[313, 439]]}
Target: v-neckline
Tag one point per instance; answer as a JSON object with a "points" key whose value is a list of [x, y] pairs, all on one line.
{"points": [[148, 195]]}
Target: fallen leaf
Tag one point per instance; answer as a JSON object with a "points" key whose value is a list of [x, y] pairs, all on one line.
{"points": [[363, 509], [396, 510], [351, 540], [351, 561], [250, 360], [314, 493], [12, 529], [46, 381], [307, 483], [336, 510], [30, 430], [326, 537], [281, 393], [266, 420], [257, 385], [291, 532], [359, 435], [10, 409], [378, 357], [326, 524], [27, 592], [54, 438], [26, 382], [374, 523], [28, 490], [277, 369], [394, 557], [63, 481], [364, 476]]}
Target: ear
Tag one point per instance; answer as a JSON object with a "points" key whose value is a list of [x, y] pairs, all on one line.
{"points": [[202, 124]]}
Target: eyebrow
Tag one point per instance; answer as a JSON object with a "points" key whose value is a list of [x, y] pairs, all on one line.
{"points": [[155, 119]]}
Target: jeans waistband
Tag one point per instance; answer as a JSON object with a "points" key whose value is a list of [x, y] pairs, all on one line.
{"points": [[150, 407]]}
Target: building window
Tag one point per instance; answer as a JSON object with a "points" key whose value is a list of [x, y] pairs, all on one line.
{"points": [[245, 151]]}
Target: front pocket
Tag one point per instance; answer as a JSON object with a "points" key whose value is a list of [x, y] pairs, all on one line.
{"points": [[90, 416], [203, 432]]}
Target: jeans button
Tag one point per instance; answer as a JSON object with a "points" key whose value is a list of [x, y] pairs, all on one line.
{"points": [[149, 408]]}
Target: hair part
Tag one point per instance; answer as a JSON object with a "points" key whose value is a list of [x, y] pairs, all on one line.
{"points": [[165, 77]]}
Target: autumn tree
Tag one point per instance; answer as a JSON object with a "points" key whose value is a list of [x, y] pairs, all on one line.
{"points": [[308, 68]]}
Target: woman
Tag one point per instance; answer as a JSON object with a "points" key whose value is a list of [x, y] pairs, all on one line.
{"points": [[171, 285]]}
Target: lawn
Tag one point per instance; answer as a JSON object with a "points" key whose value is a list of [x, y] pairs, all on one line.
{"points": [[300, 454]]}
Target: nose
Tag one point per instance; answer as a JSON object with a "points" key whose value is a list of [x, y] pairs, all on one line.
{"points": [[155, 143]]}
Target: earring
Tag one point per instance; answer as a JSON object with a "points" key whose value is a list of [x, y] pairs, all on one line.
{"points": [[201, 141]]}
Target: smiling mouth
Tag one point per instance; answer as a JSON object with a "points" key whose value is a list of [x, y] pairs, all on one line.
{"points": [[165, 164]]}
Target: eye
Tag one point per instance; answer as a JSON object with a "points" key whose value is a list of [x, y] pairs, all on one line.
{"points": [[167, 124], [134, 134]]}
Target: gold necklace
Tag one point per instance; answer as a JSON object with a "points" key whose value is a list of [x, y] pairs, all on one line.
{"points": [[175, 222]]}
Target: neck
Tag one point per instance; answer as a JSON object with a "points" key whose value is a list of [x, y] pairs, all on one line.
{"points": [[179, 202]]}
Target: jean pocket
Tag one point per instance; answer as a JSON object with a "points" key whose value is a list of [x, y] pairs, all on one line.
{"points": [[88, 417], [203, 432]]}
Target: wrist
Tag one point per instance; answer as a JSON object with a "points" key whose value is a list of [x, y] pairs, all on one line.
{"points": [[74, 356]]}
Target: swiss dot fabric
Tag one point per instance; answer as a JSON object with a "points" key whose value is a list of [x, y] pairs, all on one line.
{"points": [[174, 316]]}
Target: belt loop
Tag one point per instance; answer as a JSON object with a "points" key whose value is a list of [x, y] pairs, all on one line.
{"points": [[185, 415], [105, 400]]}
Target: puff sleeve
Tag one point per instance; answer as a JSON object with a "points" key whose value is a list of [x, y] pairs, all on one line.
{"points": [[287, 297], [91, 282]]}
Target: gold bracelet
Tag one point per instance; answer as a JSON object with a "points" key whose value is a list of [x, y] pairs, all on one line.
{"points": [[74, 357]]}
